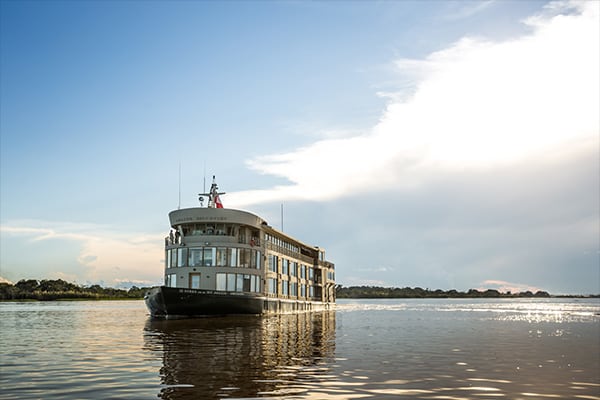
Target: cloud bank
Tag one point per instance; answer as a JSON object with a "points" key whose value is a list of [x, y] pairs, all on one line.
{"points": [[477, 104]]}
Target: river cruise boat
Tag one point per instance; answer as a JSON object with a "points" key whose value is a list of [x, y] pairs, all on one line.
{"points": [[221, 261]]}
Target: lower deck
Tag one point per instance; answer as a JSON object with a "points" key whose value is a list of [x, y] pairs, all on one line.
{"points": [[169, 302]]}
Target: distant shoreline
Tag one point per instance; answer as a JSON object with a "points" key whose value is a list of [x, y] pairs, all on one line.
{"points": [[59, 290], [377, 292]]}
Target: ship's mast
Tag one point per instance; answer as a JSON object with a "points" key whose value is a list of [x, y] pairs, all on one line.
{"points": [[214, 200]]}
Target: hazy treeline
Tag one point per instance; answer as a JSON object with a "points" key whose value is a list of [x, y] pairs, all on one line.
{"points": [[58, 289], [47, 289], [372, 292]]}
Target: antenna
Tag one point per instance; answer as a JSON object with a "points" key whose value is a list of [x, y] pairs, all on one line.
{"points": [[179, 203], [204, 181]]}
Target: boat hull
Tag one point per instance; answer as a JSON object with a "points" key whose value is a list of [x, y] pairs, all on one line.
{"points": [[166, 302]]}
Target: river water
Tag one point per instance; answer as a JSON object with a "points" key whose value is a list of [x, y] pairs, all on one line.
{"points": [[365, 349]]}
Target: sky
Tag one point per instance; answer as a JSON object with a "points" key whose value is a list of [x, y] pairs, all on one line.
{"points": [[434, 144]]}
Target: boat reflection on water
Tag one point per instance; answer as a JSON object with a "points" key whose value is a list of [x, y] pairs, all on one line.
{"points": [[242, 356]]}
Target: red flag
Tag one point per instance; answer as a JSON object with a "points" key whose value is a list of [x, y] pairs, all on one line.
{"points": [[218, 202]]}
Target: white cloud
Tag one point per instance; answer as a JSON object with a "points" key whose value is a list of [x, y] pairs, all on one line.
{"points": [[477, 104]]}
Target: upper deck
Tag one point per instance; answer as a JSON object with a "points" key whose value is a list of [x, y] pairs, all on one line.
{"points": [[215, 216]]}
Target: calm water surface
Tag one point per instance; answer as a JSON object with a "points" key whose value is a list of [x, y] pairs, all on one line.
{"points": [[366, 349]]}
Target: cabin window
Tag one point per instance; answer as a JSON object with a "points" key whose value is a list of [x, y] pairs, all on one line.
{"points": [[245, 283], [258, 256], [285, 288], [209, 256], [284, 266], [171, 280], [222, 282], [195, 258], [233, 257], [181, 256], [173, 258], [252, 257], [272, 263], [220, 229], [245, 257], [255, 283], [231, 282], [194, 281], [221, 257], [272, 285]]}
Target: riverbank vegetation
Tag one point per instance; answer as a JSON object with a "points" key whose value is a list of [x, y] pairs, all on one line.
{"points": [[375, 292], [58, 289]]}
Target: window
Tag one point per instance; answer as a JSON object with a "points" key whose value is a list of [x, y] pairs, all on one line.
{"points": [[221, 260], [173, 258], [302, 271], [209, 256], [272, 263], [233, 257], [293, 269], [255, 283], [231, 282], [168, 258], [181, 256], [171, 280], [258, 262], [303, 290], [284, 266], [222, 282], [245, 257], [293, 289], [246, 284], [195, 258], [272, 285], [285, 288], [194, 281], [239, 285]]}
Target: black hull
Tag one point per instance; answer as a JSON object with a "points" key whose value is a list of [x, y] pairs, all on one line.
{"points": [[173, 302]]}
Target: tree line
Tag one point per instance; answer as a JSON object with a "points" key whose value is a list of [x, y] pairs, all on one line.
{"points": [[55, 289], [375, 292], [48, 289]]}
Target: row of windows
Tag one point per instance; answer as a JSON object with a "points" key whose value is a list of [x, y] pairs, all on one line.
{"points": [[289, 267], [225, 282], [213, 257], [289, 288], [281, 243], [238, 283], [209, 229]]}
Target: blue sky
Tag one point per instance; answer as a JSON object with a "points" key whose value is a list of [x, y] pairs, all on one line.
{"points": [[439, 144]]}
